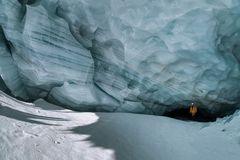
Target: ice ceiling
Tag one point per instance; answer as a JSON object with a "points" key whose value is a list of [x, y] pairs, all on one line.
{"points": [[141, 56]]}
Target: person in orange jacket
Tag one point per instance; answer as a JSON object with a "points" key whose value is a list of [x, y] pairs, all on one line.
{"points": [[193, 110]]}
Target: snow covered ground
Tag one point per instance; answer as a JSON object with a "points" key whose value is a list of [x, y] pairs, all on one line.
{"points": [[43, 131]]}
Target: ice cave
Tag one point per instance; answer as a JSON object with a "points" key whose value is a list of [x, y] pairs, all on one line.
{"points": [[127, 79]]}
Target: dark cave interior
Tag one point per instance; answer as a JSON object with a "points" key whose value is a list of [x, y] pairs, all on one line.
{"points": [[184, 114]]}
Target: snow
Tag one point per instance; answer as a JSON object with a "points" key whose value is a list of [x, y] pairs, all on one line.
{"points": [[44, 131]]}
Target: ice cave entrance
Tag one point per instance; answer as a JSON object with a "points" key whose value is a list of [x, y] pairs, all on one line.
{"points": [[185, 114]]}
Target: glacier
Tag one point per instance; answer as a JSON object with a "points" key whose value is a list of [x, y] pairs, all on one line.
{"points": [[141, 56]]}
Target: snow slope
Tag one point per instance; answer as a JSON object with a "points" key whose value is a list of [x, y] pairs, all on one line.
{"points": [[43, 131]]}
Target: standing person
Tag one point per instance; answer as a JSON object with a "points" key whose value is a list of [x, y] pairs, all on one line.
{"points": [[193, 110]]}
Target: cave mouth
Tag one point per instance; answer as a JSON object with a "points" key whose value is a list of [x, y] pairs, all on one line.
{"points": [[184, 114]]}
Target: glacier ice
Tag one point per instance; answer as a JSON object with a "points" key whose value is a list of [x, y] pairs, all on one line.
{"points": [[123, 55]]}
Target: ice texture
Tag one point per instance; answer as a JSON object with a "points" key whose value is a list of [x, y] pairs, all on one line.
{"points": [[141, 56]]}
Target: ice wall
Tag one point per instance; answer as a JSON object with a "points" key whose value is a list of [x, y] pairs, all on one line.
{"points": [[143, 56]]}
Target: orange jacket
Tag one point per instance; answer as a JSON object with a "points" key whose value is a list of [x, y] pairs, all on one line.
{"points": [[193, 110]]}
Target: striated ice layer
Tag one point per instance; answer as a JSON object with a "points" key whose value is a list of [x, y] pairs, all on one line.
{"points": [[126, 56]]}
